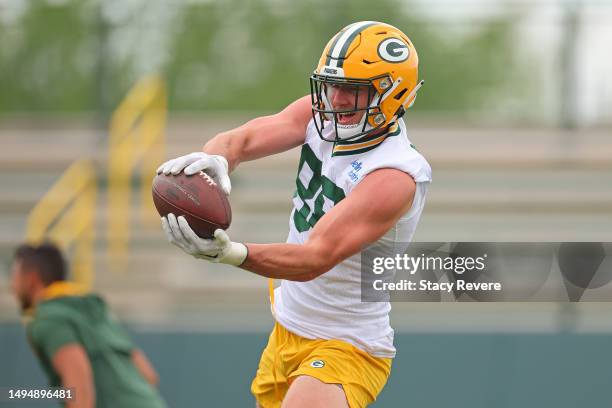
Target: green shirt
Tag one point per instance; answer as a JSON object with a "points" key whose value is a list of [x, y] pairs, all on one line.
{"points": [[86, 320]]}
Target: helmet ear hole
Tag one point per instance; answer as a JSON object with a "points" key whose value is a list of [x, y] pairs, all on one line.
{"points": [[400, 94]]}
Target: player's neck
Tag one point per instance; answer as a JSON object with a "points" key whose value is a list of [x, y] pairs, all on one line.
{"points": [[381, 131]]}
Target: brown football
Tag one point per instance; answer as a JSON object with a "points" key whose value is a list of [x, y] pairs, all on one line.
{"points": [[198, 198]]}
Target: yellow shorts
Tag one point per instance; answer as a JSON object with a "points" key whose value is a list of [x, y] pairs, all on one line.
{"points": [[288, 356]]}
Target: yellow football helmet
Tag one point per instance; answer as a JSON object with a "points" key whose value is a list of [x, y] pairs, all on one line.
{"points": [[365, 56]]}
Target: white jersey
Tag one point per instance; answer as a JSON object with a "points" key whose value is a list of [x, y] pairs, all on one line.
{"points": [[330, 306]]}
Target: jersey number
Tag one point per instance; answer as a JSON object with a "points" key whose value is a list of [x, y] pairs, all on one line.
{"points": [[313, 190]]}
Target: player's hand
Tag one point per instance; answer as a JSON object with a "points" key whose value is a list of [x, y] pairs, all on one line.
{"points": [[217, 249], [214, 165]]}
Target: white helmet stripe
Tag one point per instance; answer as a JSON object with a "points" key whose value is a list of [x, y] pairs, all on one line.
{"points": [[348, 35]]}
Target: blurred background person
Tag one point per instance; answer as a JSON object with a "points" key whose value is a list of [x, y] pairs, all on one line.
{"points": [[75, 337]]}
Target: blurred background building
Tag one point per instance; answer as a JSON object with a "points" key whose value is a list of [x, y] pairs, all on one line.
{"points": [[515, 118]]}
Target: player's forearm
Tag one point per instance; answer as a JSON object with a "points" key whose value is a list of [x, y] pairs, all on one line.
{"points": [[288, 261], [228, 144]]}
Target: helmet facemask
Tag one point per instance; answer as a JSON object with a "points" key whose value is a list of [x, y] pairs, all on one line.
{"points": [[360, 97]]}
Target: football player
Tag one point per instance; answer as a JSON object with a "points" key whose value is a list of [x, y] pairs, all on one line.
{"points": [[359, 181]]}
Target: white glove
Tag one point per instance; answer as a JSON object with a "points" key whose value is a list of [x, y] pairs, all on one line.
{"points": [[218, 249], [214, 165]]}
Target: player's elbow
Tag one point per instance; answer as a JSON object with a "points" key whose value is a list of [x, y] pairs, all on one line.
{"points": [[310, 274], [320, 261]]}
